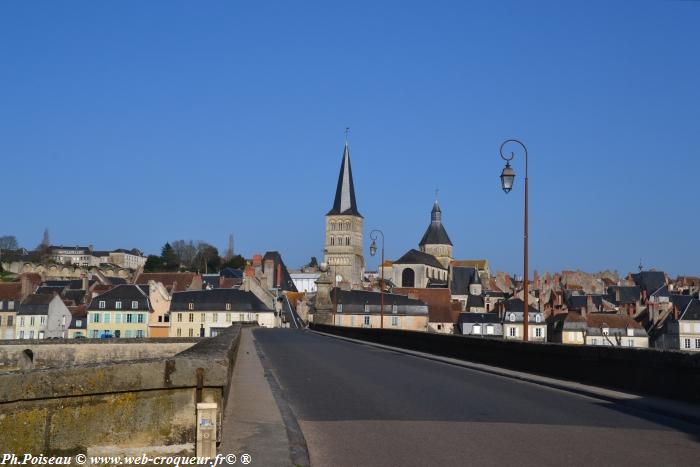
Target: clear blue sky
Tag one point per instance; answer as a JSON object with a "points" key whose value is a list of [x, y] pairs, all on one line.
{"points": [[126, 124]]}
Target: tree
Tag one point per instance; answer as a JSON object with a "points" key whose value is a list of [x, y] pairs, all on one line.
{"points": [[170, 261], [186, 252], [153, 264], [8, 242], [207, 257], [235, 262]]}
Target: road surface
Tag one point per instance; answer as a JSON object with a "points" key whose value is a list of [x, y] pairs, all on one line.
{"points": [[362, 406]]}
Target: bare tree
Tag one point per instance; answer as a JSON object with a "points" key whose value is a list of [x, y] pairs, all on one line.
{"points": [[44, 240], [8, 242], [186, 251], [229, 250]]}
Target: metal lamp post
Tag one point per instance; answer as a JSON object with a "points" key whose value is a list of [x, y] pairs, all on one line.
{"points": [[507, 178], [373, 251]]}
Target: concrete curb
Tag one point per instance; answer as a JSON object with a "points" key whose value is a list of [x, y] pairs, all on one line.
{"points": [[685, 412]]}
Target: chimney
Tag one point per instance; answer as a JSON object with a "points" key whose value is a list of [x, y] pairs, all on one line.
{"points": [[27, 287], [86, 282], [536, 280], [257, 263], [279, 275], [269, 272], [590, 306], [676, 312]]}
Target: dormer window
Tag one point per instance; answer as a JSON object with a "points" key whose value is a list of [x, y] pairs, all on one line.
{"points": [[118, 305], [511, 317], [134, 305], [102, 304], [228, 307], [538, 318], [190, 306], [606, 331], [630, 332]]}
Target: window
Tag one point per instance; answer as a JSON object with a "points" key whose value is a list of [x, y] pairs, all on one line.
{"points": [[129, 319], [1, 304], [118, 305], [139, 333], [512, 332], [395, 321], [190, 306], [538, 332], [202, 317], [191, 332], [166, 317], [228, 307], [476, 329], [42, 320], [366, 320], [489, 329], [134, 305], [139, 317], [31, 321], [117, 318], [606, 331], [332, 241], [105, 318], [511, 318], [9, 321], [190, 318], [697, 341], [78, 323], [630, 332], [95, 333], [21, 334], [31, 334], [179, 332], [630, 342], [102, 303], [95, 317], [347, 241], [228, 317], [686, 343], [215, 317], [11, 305], [21, 321], [594, 341], [538, 318], [240, 317], [179, 317]]}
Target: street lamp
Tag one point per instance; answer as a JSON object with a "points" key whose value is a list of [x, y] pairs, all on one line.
{"points": [[373, 251], [507, 178]]}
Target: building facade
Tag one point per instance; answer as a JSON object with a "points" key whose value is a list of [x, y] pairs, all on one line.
{"points": [[42, 316], [122, 312], [344, 251], [362, 309], [203, 313], [435, 241]]}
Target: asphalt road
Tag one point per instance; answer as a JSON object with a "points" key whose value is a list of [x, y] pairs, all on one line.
{"points": [[362, 406]]}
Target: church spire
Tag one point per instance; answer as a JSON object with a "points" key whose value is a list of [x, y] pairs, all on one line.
{"points": [[344, 202], [436, 233]]}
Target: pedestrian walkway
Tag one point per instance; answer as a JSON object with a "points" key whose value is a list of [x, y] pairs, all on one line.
{"points": [[252, 421]]}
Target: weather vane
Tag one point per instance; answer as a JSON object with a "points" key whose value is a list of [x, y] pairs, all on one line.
{"points": [[347, 130]]}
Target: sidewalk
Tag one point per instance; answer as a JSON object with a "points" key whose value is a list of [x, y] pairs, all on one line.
{"points": [[252, 421]]}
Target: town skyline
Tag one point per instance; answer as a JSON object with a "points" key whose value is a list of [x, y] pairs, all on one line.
{"points": [[186, 133]]}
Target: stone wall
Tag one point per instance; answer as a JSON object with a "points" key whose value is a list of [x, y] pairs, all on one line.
{"points": [[46, 353], [113, 407], [661, 373]]}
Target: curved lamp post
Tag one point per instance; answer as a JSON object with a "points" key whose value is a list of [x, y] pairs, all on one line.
{"points": [[373, 251], [507, 178]]}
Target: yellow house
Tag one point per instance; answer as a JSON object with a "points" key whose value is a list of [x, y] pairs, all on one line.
{"points": [[203, 313], [121, 312], [362, 309]]}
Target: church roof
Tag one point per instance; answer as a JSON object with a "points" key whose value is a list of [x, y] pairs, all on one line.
{"points": [[418, 257], [436, 233], [344, 202]]}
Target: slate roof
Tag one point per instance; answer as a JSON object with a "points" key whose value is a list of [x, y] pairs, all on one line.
{"points": [[125, 293], [50, 289], [651, 281], [413, 256], [460, 279], [476, 301], [232, 273], [516, 305], [436, 233], [466, 317], [344, 202], [576, 302], [628, 294], [692, 311], [681, 301], [362, 297], [35, 304], [216, 300], [613, 321], [211, 280]]}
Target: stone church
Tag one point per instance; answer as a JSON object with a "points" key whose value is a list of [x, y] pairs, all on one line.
{"points": [[344, 232]]}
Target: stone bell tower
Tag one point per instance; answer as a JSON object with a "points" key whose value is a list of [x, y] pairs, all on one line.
{"points": [[344, 231]]}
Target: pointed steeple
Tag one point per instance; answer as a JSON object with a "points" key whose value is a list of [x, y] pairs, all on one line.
{"points": [[345, 192], [436, 233]]}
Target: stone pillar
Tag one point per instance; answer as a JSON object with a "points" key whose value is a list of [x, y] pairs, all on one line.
{"points": [[323, 306]]}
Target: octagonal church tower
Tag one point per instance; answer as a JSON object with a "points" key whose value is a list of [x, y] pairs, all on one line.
{"points": [[344, 231]]}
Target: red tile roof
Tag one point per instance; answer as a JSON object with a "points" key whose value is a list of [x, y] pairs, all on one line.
{"points": [[10, 291], [439, 303], [182, 280]]}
